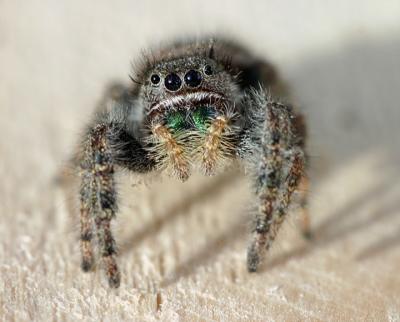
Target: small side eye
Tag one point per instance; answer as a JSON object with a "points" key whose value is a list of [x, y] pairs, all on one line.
{"points": [[208, 70], [155, 79]]}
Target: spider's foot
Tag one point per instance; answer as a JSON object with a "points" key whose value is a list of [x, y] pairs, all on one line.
{"points": [[114, 280], [87, 264], [113, 275], [253, 259]]}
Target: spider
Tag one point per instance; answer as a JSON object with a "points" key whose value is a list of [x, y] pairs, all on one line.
{"points": [[195, 105]]}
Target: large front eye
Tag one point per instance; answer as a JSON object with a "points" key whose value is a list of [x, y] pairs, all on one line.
{"points": [[172, 82], [193, 78]]}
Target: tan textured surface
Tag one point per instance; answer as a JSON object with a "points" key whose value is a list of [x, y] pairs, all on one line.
{"points": [[183, 247]]}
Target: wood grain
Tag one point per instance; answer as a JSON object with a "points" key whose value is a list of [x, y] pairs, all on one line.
{"points": [[182, 246]]}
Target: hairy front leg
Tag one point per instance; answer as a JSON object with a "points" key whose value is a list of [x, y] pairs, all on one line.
{"points": [[98, 201], [268, 177], [289, 185], [278, 172]]}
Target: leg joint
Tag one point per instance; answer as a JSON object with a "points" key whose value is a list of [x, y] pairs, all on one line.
{"points": [[261, 228], [86, 236], [109, 250]]}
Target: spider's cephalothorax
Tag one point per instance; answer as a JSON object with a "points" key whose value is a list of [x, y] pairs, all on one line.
{"points": [[189, 110], [195, 105]]}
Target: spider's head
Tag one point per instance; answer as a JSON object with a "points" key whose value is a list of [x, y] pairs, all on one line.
{"points": [[187, 91]]}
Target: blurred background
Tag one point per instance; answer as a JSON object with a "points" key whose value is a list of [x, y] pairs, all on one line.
{"points": [[183, 248]]}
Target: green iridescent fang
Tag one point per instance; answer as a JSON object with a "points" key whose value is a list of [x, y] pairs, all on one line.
{"points": [[179, 120], [176, 121], [201, 118]]}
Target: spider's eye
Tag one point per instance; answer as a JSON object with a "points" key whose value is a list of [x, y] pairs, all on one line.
{"points": [[208, 70], [155, 79], [172, 82], [193, 78]]}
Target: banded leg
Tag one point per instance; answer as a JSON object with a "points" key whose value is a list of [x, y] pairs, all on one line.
{"points": [[268, 181], [99, 201], [284, 198], [279, 172], [108, 249], [86, 226]]}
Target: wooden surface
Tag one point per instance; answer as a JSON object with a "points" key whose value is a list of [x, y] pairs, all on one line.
{"points": [[182, 247]]}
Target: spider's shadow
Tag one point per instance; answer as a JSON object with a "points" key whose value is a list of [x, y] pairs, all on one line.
{"points": [[335, 227], [177, 210]]}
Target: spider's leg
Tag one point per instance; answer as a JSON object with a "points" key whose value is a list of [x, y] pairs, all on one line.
{"points": [[268, 177], [279, 168], [290, 183], [98, 201], [107, 248], [86, 222]]}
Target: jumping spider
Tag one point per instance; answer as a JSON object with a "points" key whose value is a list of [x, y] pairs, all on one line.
{"points": [[193, 105]]}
